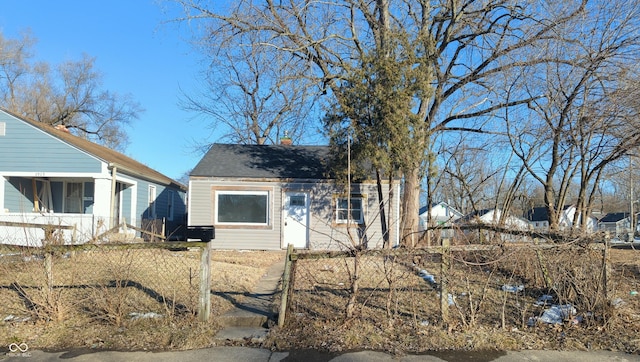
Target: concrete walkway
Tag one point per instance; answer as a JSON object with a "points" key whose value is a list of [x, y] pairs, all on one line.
{"points": [[250, 320]]}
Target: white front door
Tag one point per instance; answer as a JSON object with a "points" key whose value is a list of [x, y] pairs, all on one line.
{"points": [[295, 219]]}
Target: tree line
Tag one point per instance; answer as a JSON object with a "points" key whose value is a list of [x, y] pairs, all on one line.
{"points": [[70, 94]]}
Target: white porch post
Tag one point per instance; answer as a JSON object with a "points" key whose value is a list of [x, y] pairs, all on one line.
{"points": [[112, 198], [102, 199], [2, 182]]}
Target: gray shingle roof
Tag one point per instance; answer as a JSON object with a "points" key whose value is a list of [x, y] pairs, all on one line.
{"points": [[264, 161]]}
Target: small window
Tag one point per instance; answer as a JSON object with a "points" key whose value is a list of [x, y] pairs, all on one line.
{"points": [[242, 207], [170, 205], [342, 210], [297, 200], [3, 128]]}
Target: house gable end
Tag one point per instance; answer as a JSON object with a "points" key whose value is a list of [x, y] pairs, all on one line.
{"points": [[26, 148]]}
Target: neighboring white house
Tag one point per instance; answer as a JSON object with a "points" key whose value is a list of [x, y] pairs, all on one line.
{"points": [[441, 214], [493, 217], [538, 218]]}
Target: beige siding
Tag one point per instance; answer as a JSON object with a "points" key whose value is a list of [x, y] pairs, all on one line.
{"points": [[323, 232]]}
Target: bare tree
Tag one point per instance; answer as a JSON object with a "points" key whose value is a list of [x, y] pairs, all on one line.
{"points": [[584, 121], [69, 95], [252, 94], [457, 47]]}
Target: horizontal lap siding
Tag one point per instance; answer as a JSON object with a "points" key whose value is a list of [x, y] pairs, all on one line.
{"points": [[201, 213], [324, 234], [26, 148], [15, 190]]}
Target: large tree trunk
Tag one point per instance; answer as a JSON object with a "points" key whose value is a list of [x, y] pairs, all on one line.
{"points": [[410, 207]]}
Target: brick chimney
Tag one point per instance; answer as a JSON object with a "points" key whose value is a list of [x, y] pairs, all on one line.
{"points": [[285, 140], [62, 127]]}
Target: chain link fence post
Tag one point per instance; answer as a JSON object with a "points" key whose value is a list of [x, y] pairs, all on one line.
{"points": [[285, 286], [204, 307]]}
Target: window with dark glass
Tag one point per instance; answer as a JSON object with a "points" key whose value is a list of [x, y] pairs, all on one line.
{"points": [[242, 207]]}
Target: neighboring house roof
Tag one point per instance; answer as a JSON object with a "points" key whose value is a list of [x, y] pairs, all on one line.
{"points": [[615, 217], [264, 161], [105, 154], [423, 210], [474, 214], [538, 214], [541, 213]]}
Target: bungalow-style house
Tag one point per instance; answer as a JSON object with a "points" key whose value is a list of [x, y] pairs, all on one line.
{"points": [[441, 214], [538, 217], [616, 223], [50, 177], [265, 197]]}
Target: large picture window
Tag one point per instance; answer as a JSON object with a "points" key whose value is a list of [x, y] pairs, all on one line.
{"points": [[242, 207], [342, 210]]}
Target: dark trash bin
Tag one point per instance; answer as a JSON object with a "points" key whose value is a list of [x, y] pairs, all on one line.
{"points": [[204, 233]]}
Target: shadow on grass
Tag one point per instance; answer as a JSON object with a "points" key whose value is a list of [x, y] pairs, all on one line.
{"points": [[21, 292]]}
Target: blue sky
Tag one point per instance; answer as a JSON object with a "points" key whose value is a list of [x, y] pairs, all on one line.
{"points": [[137, 53]]}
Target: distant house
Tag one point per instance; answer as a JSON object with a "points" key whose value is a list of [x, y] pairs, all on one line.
{"points": [[441, 213], [267, 197], [616, 223], [538, 217], [493, 217], [49, 176]]}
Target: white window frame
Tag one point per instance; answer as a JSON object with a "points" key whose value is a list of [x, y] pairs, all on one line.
{"points": [[45, 199], [338, 209], [247, 192]]}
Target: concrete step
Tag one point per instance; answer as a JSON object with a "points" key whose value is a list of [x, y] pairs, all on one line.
{"points": [[243, 318], [242, 334]]}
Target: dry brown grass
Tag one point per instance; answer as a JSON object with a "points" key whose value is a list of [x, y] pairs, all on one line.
{"points": [[94, 295], [397, 311]]}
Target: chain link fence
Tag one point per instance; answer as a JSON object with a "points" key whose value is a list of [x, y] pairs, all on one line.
{"points": [[110, 283], [505, 284]]}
